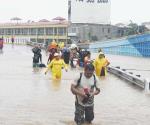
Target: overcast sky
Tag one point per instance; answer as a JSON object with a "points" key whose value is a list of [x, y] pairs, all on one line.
{"points": [[121, 10]]}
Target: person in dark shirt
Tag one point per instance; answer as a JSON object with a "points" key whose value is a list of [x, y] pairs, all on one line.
{"points": [[12, 40], [66, 55], [37, 58]]}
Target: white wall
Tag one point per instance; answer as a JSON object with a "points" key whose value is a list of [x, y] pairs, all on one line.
{"points": [[83, 11]]}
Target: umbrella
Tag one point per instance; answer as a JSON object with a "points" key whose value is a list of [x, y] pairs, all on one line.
{"points": [[16, 19]]}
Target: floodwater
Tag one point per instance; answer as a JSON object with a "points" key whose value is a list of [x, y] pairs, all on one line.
{"points": [[28, 97]]}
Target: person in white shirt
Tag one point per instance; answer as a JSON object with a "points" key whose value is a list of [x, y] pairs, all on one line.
{"points": [[85, 87]]}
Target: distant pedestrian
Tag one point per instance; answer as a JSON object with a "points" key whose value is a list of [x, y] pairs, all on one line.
{"points": [[100, 64], [37, 58], [12, 40], [74, 55], [56, 66], [66, 55], [87, 58], [1, 43]]}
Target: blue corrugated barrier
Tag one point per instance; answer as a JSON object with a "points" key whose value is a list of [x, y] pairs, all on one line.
{"points": [[132, 46]]}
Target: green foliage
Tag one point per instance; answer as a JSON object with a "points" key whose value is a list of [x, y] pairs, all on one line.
{"points": [[136, 29]]}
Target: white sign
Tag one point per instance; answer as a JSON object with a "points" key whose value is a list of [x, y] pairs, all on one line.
{"points": [[89, 11]]}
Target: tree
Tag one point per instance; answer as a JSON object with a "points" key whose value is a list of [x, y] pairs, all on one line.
{"points": [[136, 29], [142, 29], [133, 29]]}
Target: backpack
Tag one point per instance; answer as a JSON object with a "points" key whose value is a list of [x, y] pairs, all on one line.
{"points": [[42, 65]]}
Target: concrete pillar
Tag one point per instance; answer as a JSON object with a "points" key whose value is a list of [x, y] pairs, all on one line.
{"points": [[57, 35], [44, 35]]}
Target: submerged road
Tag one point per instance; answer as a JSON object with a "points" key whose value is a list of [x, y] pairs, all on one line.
{"points": [[28, 97]]}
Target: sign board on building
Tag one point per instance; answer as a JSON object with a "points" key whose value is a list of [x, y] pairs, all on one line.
{"points": [[89, 11]]}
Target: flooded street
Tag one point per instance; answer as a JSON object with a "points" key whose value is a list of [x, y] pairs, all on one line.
{"points": [[29, 97]]}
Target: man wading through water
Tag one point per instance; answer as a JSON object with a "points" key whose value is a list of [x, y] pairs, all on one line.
{"points": [[37, 56], [84, 87]]}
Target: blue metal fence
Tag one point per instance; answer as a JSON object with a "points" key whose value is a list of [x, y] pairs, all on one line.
{"points": [[133, 46]]}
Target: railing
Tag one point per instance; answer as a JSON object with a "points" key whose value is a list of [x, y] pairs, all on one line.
{"points": [[19, 42], [130, 77]]}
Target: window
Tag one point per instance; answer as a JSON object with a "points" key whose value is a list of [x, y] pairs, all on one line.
{"points": [[17, 31], [1, 31], [55, 31], [40, 31], [62, 31], [32, 31], [25, 31], [8, 31], [49, 31]]}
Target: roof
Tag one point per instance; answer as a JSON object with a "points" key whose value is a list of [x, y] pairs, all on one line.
{"points": [[34, 24], [44, 20]]}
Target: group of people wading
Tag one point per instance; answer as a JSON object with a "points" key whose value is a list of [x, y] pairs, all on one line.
{"points": [[85, 86]]}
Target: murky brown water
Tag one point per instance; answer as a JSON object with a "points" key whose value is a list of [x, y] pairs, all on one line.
{"points": [[28, 97]]}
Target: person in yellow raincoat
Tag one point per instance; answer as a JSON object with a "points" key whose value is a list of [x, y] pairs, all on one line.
{"points": [[100, 64], [56, 66]]}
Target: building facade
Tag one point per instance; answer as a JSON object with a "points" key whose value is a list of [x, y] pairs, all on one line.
{"points": [[40, 32], [94, 32], [90, 21]]}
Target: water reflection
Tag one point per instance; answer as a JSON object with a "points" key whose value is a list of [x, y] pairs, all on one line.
{"points": [[102, 77], [36, 70], [1, 51], [73, 123], [56, 84], [12, 46]]}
